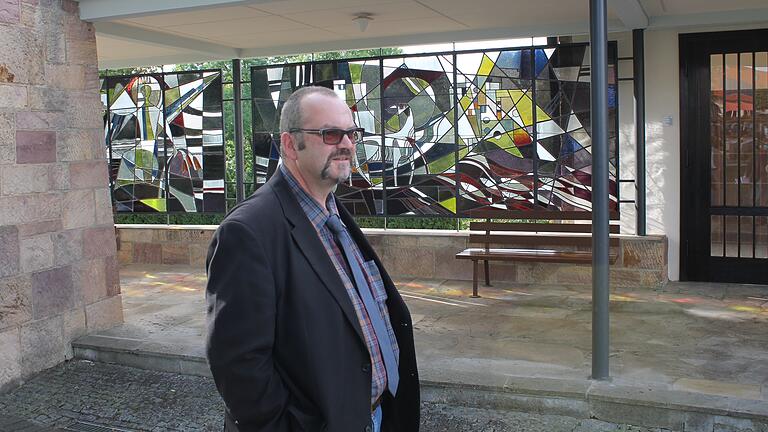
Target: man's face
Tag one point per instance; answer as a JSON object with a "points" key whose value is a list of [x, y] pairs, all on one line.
{"points": [[319, 163]]}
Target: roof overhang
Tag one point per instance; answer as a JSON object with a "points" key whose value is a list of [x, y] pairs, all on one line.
{"points": [[147, 32]]}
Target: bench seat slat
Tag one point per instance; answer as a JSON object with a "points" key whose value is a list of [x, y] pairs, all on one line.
{"points": [[574, 257], [536, 227], [537, 240]]}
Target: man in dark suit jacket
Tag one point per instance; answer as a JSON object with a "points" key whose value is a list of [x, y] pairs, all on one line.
{"points": [[291, 343]]}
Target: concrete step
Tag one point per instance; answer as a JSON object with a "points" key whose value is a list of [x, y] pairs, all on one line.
{"points": [[581, 399], [140, 354]]}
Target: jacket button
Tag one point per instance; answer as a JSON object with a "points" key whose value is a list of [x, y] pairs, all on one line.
{"points": [[366, 367], [368, 429], [405, 324]]}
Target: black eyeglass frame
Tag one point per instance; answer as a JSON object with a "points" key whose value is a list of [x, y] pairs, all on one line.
{"points": [[355, 134]]}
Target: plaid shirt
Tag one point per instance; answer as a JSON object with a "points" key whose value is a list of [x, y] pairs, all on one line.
{"points": [[317, 216]]}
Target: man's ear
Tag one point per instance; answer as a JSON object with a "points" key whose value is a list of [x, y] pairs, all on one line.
{"points": [[288, 143]]}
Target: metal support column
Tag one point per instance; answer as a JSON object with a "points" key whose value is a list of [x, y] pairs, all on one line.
{"points": [[238, 110], [638, 64], [598, 35]]}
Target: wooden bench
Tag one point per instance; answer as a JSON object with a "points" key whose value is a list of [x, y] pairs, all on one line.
{"points": [[541, 236]]}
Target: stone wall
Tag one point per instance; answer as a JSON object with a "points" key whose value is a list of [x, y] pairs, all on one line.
{"points": [[58, 266], [414, 253]]}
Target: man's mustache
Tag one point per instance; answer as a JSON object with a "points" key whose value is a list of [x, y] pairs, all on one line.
{"points": [[341, 152]]}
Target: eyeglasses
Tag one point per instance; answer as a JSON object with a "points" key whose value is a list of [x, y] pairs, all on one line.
{"points": [[333, 136]]}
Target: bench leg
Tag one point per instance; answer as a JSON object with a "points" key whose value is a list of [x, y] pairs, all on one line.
{"points": [[474, 278], [487, 273]]}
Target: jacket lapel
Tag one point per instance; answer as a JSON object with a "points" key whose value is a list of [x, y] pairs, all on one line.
{"points": [[306, 239]]}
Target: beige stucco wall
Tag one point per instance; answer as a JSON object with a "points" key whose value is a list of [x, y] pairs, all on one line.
{"points": [[58, 266], [662, 129]]}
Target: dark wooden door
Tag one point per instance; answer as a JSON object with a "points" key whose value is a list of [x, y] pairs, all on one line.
{"points": [[724, 158]]}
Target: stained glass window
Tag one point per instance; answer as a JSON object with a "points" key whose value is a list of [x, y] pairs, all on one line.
{"points": [[164, 135], [454, 133]]}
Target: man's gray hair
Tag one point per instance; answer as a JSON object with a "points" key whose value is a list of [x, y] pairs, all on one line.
{"points": [[290, 117]]}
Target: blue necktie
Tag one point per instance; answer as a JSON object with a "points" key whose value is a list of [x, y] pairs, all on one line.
{"points": [[374, 313]]}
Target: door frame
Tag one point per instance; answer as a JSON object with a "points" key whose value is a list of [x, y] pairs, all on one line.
{"points": [[694, 51]]}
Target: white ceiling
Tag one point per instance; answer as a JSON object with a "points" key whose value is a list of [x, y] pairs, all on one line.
{"points": [[149, 32]]}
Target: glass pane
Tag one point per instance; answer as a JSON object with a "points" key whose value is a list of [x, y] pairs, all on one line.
{"points": [[716, 235], [731, 130], [761, 238], [761, 128], [732, 236], [716, 130], [746, 162], [746, 237]]}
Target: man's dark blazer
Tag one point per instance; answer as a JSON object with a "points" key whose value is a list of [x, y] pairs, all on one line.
{"points": [[284, 343]]}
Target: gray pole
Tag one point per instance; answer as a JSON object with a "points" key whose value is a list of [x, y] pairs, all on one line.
{"points": [[638, 64], [598, 34], [238, 110]]}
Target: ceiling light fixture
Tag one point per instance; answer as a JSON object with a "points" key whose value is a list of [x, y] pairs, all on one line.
{"points": [[362, 19]]}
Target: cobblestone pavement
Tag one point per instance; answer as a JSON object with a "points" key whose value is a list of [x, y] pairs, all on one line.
{"points": [[95, 397]]}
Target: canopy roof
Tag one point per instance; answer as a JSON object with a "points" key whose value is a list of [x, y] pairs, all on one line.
{"points": [[146, 32]]}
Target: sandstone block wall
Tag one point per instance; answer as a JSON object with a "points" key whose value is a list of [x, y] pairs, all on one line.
{"points": [[58, 263], [414, 253]]}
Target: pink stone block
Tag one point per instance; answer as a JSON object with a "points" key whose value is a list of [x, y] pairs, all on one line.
{"points": [[67, 246], [80, 144], [9, 11], [9, 250], [77, 209], [81, 51], [147, 253], [35, 147], [77, 29], [104, 314], [24, 179], [112, 270], [29, 208], [13, 96], [40, 120], [175, 253], [65, 76], [99, 242], [88, 174], [90, 280], [15, 300], [69, 6], [35, 228], [52, 292]]}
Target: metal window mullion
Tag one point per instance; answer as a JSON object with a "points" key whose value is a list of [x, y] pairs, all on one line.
{"points": [[738, 151], [456, 173], [724, 155], [165, 153], [534, 131], [754, 152], [616, 146], [638, 64], [238, 125], [383, 145], [109, 150]]}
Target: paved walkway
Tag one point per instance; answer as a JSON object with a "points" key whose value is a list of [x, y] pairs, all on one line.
{"points": [[690, 343], [81, 396]]}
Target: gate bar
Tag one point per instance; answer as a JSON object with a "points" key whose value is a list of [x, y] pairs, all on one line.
{"points": [[238, 110]]}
